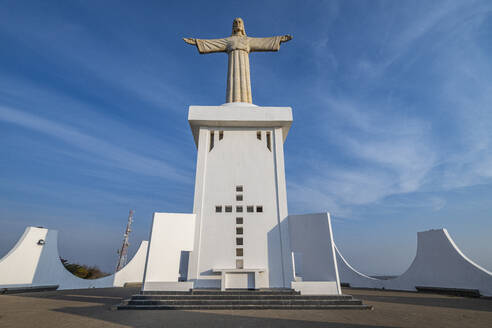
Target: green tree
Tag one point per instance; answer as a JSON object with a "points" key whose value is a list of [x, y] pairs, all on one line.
{"points": [[83, 271]]}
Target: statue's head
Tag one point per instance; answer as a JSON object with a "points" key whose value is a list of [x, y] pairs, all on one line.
{"points": [[238, 27]]}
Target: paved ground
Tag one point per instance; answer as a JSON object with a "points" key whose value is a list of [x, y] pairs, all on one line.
{"points": [[93, 308]]}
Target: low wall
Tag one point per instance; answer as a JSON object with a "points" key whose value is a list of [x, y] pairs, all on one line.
{"points": [[439, 263], [35, 261]]}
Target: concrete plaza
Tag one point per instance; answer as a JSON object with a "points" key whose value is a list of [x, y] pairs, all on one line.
{"points": [[95, 308]]}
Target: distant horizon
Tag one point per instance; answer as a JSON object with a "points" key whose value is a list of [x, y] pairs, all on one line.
{"points": [[391, 105]]}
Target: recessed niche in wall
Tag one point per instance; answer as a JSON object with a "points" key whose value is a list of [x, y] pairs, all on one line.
{"points": [[239, 264]]}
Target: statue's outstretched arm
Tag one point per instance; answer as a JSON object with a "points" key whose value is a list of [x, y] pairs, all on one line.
{"points": [[267, 44], [206, 46]]}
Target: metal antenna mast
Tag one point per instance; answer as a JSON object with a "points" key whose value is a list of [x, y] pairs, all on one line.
{"points": [[124, 248]]}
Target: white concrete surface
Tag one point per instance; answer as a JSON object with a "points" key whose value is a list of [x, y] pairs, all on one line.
{"points": [[19, 265], [316, 287], [239, 115], [31, 263], [133, 271], [311, 239], [179, 286], [171, 234], [242, 278], [438, 263], [230, 154]]}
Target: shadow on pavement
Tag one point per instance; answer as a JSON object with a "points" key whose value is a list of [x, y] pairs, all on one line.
{"points": [[464, 303], [173, 318], [104, 300], [99, 295]]}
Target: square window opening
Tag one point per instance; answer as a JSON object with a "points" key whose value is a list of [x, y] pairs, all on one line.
{"points": [[239, 264], [228, 208], [239, 231], [239, 209], [259, 209], [239, 198], [239, 241], [239, 252], [239, 188], [250, 209], [239, 220], [218, 209]]}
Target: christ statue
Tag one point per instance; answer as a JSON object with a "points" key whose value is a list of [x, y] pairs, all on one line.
{"points": [[238, 46]]}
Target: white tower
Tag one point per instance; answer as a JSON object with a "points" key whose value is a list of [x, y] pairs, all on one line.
{"points": [[241, 235]]}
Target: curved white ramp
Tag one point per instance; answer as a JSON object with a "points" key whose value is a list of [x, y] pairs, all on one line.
{"points": [[133, 271], [34, 261], [353, 277], [438, 263]]}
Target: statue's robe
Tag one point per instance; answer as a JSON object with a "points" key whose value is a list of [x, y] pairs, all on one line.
{"points": [[238, 47]]}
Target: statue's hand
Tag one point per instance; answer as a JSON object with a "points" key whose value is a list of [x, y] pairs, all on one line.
{"points": [[190, 41], [286, 38]]}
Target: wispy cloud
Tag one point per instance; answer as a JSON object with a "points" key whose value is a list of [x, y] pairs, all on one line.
{"points": [[393, 153], [390, 145], [117, 58], [112, 154]]}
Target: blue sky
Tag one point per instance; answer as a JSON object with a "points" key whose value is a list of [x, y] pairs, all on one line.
{"points": [[392, 118]]}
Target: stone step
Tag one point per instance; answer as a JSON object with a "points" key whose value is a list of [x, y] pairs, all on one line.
{"points": [[240, 297], [227, 292], [244, 307], [244, 302]]}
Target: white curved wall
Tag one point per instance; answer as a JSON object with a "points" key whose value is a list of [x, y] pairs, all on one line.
{"points": [[438, 263], [353, 277], [19, 265], [134, 270], [30, 264]]}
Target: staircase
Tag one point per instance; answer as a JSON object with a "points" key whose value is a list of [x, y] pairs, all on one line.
{"points": [[238, 300]]}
